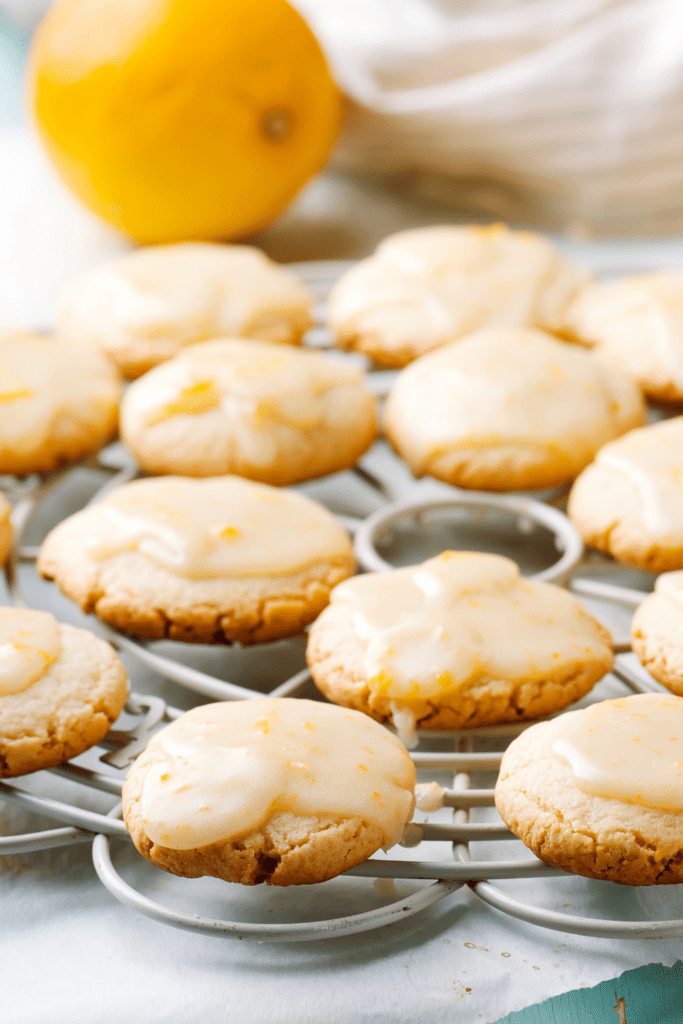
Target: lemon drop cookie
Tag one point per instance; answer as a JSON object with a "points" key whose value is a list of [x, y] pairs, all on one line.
{"points": [[208, 561], [629, 501], [461, 640], [657, 631], [268, 412], [142, 308], [60, 690], [428, 286], [6, 530], [508, 409], [280, 791], [600, 791], [636, 324], [57, 404]]}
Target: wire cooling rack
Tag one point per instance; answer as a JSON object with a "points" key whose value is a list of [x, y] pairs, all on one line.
{"points": [[399, 521], [495, 517]]}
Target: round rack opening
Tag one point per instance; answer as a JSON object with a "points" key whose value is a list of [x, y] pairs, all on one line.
{"points": [[529, 532]]}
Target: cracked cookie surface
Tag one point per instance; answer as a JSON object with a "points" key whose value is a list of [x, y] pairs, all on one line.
{"points": [[289, 850], [596, 836], [65, 711]]}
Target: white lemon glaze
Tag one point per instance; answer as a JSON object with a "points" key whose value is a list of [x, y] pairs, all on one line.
{"points": [[223, 769], [509, 387], [639, 320], [29, 643], [242, 379], [216, 527], [45, 385], [670, 585], [627, 749], [433, 284], [429, 796], [431, 629], [185, 293], [652, 460]]}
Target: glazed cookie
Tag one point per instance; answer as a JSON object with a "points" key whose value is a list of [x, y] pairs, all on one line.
{"points": [[6, 531], [657, 631], [57, 404], [600, 791], [461, 640], [60, 690], [278, 791], [629, 502], [507, 410], [270, 413], [207, 561], [637, 325], [428, 286], [142, 308]]}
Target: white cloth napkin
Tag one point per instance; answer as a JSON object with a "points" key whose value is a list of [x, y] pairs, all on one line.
{"points": [[566, 114]]}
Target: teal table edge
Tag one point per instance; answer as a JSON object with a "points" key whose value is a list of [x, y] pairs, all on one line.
{"points": [[652, 994]]}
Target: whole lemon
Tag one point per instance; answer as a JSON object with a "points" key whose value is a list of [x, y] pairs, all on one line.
{"points": [[183, 119]]}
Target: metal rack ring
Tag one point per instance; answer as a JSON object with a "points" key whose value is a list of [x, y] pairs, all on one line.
{"points": [[567, 539], [296, 932]]}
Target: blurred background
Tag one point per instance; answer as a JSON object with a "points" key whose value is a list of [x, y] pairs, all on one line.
{"points": [[564, 116]]}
